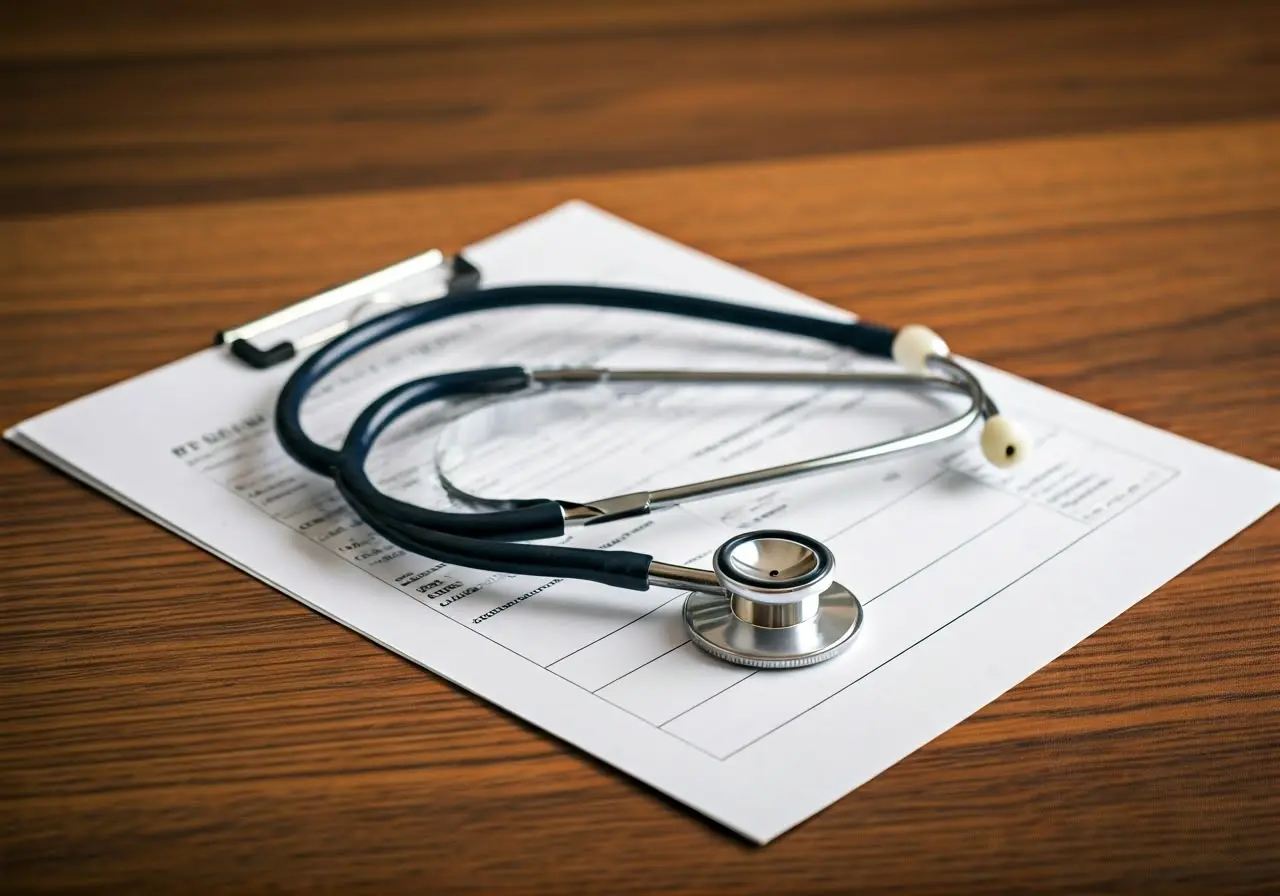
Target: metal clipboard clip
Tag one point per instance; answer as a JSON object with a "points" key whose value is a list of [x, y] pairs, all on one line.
{"points": [[326, 316]]}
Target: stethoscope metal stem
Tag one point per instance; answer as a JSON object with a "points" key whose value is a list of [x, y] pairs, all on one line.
{"points": [[774, 615], [683, 578]]}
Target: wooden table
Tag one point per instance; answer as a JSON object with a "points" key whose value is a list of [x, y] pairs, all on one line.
{"points": [[1086, 195]]}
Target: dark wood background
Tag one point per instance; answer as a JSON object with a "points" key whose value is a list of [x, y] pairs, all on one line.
{"points": [[1086, 194]]}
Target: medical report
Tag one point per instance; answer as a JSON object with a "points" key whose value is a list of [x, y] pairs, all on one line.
{"points": [[972, 578]]}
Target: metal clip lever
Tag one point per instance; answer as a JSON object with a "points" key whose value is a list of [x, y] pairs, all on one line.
{"points": [[457, 274]]}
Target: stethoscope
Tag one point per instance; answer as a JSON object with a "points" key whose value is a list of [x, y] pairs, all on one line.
{"points": [[770, 599]]}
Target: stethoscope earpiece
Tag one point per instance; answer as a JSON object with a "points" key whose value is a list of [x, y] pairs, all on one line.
{"points": [[1004, 443]]}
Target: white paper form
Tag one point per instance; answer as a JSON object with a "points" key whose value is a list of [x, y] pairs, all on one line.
{"points": [[972, 578]]}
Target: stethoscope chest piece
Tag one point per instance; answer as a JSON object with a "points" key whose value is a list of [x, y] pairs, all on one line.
{"points": [[779, 607]]}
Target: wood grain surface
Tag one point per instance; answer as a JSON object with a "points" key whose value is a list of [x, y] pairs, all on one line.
{"points": [[1087, 195], [123, 104]]}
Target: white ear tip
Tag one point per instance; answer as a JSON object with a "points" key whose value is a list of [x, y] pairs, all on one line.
{"points": [[913, 344], [1005, 443]]}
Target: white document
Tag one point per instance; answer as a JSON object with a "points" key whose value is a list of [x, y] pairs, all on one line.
{"points": [[972, 578]]}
